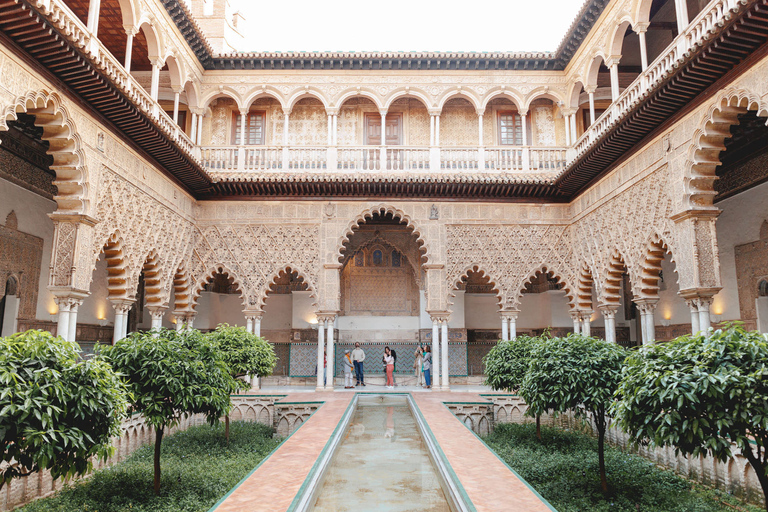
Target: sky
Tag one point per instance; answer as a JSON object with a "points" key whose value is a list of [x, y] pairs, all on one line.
{"points": [[406, 25]]}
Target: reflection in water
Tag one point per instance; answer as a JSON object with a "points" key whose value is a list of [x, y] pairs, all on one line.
{"points": [[382, 464]]}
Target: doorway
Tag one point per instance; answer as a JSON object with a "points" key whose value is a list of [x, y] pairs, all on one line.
{"points": [[394, 129]]}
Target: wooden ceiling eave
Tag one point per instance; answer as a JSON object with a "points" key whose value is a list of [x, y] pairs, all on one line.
{"points": [[707, 65], [52, 51]]}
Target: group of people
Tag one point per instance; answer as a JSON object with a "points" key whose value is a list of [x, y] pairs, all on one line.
{"points": [[353, 362]]}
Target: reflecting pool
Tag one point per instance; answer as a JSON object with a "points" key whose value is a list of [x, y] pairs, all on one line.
{"points": [[382, 463]]}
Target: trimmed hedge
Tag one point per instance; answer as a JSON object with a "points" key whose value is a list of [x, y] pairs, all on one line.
{"points": [[562, 467], [198, 469]]}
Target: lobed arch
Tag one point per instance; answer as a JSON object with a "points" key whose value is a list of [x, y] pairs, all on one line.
{"points": [[66, 147], [460, 93], [414, 265], [477, 268], [542, 93], [117, 267], [182, 290], [502, 93], [408, 92], [289, 268], [568, 288], [610, 288], [650, 267], [263, 91], [307, 92], [153, 289], [208, 277], [348, 94], [709, 140], [384, 209], [221, 92], [584, 284]]}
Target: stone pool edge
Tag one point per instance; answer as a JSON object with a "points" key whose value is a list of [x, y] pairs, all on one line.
{"points": [[523, 480]]}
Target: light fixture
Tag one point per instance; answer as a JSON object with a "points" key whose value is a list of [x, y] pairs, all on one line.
{"points": [[665, 322], [717, 318], [103, 322]]}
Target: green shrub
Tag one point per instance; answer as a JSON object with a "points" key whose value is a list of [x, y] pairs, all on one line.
{"points": [[198, 469], [563, 468]]}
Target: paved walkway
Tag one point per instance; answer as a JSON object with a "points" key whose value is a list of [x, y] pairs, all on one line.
{"points": [[488, 482]]}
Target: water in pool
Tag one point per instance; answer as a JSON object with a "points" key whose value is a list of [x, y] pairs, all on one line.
{"points": [[381, 464]]}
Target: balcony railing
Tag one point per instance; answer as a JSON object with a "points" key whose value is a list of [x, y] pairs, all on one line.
{"points": [[519, 159], [699, 30]]}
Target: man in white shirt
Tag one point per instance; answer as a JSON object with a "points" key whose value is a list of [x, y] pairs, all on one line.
{"points": [[358, 356]]}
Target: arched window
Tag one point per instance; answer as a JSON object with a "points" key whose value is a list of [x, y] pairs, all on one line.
{"points": [[762, 288], [359, 259], [395, 259], [378, 257]]}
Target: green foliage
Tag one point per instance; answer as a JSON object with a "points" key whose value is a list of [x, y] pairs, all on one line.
{"points": [[577, 373], [172, 374], [245, 353], [563, 469], [507, 362], [56, 409], [699, 393], [199, 468], [565, 373]]}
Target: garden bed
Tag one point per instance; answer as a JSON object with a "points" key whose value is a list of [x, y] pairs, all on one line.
{"points": [[198, 468], [563, 468]]}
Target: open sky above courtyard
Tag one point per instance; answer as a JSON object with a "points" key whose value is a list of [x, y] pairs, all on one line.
{"points": [[406, 25]]}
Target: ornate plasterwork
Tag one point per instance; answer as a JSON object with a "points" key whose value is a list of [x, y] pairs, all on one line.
{"points": [[509, 255], [254, 255], [146, 229]]}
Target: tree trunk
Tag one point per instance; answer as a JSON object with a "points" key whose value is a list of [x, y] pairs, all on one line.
{"points": [[158, 442], [759, 466], [538, 427], [226, 427], [601, 455]]}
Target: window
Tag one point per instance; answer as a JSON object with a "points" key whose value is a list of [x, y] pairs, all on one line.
{"points": [[378, 257], [510, 129], [254, 127]]}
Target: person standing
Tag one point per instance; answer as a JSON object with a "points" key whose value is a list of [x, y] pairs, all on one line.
{"points": [[348, 365], [418, 357], [389, 361], [394, 356], [358, 356], [427, 362]]}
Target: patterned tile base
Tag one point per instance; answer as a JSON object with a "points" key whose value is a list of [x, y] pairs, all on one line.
{"points": [[303, 358]]}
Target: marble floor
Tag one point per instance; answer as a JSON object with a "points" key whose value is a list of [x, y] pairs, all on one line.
{"points": [[488, 482]]}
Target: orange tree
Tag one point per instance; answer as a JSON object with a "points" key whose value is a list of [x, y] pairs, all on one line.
{"points": [[172, 374], [57, 410], [702, 394]]}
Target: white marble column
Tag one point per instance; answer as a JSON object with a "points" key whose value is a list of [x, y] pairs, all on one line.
{"points": [[193, 133], [524, 123], [121, 307], [435, 352], [199, 140], [190, 321], [335, 129], [157, 313], [437, 130], [586, 320], [512, 319], [504, 328], [176, 95], [330, 352], [576, 317], [249, 323], [93, 17], [444, 344], [130, 32], [480, 145], [431, 130], [694, 307], [286, 151], [62, 326], [320, 353], [383, 149], [681, 13], [179, 317], [573, 127], [567, 129], [609, 320], [155, 84], [75, 305], [647, 308], [704, 315], [591, 93], [614, 69], [640, 29]]}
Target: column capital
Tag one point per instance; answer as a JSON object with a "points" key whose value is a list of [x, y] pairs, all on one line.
{"points": [[568, 111], [646, 305], [439, 317], [383, 111], [157, 62], [253, 314], [575, 315], [130, 30], [67, 303], [287, 111], [509, 314], [523, 112], [434, 112], [332, 111], [327, 316], [613, 60], [699, 294], [480, 111], [244, 111], [122, 305], [197, 111], [640, 26], [157, 311], [608, 310], [590, 89]]}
